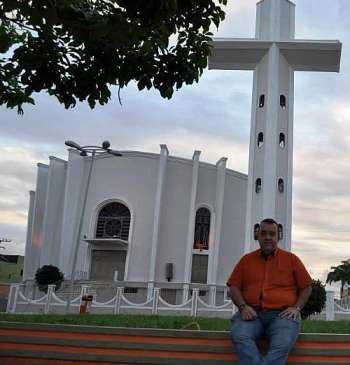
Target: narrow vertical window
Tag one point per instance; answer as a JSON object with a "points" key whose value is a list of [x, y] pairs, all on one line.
{"points": [[282, 140], [261, 101], [260, 140], [202, 229], [280, 232], [283, 101], [256, 231], [258, 185], [280, 185]]}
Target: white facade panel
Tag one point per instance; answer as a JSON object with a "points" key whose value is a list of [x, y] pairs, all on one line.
{"points": [[174, 220], [132, 181]]}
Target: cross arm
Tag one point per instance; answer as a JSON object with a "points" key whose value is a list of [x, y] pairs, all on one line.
{"points": [[237, 54], [305, 55]]}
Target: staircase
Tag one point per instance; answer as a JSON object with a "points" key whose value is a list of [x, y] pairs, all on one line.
{"points": [[44, 344]]}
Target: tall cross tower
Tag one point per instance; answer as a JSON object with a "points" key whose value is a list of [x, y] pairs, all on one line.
{"points": [[274, 54]]}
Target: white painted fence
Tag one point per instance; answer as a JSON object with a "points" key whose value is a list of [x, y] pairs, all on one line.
{"points": [[155, 304], [51, 303]]}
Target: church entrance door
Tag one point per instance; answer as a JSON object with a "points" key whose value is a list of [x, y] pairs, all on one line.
{"points": [[105, 262]]}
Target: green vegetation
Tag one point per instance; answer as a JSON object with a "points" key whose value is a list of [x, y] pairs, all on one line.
{"points": [[317, 300], [173, 322], [46, 275], [77, 49], [340, 273]]}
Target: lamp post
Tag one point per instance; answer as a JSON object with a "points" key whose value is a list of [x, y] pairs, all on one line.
{"points": [[85, 151]]}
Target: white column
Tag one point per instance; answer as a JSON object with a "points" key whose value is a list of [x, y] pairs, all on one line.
{"points": [[28, 249], [330, 306], [53, 212], [71, 209], [38, 218], [250, 187], [219, 206], [289, 172], [191, 220], [269, 169], [163, 159]]}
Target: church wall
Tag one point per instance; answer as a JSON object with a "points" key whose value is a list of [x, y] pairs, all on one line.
{"points": [[132, 180], [206, 186], [174, 219], [71, 209], [32, 259], [53, 212], [233, 225]]}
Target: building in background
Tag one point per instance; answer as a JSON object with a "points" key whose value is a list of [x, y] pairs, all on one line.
{"points": [[11, 268], [149, 219]]}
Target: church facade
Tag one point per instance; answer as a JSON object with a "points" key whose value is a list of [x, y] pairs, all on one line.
{"points": [[149, 218]]}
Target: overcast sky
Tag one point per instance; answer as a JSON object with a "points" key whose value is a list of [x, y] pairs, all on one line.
{"points": [[214, 117]]}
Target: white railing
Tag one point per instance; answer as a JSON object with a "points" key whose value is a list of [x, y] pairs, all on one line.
{"points": [[50, 302], [155, 304]]}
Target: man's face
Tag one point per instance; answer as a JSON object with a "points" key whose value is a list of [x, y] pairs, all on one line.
{"points": [[268, 237]]}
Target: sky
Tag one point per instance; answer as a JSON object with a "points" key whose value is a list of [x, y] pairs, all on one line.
{"points": [[212, 116]]}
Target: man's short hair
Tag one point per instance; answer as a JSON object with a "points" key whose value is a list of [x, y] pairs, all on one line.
{"points": [[269, 221]]}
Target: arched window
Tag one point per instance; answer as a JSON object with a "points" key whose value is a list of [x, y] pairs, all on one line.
{"points": [[280, 232], [280, 185], [282, 140], [113, 222], [260, 140], [283, 101], [258, 185], [256, 231], [261, 101], [202, 229]]}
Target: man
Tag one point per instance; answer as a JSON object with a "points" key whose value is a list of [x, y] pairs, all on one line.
{"points": [[269, 286]]}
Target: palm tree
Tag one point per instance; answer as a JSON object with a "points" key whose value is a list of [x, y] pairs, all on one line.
{"points": [[340, 273]]}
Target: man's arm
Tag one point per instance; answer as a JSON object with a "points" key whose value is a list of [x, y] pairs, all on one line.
{"points": [[303, 297], [247, 312]]}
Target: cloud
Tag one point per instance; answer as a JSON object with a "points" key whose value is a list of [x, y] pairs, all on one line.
{"points": [[213, 116]]}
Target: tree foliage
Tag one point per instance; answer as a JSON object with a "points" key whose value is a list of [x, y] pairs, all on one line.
{"points": [[317, 300], [48, 275], [78, 49], [340, 273]]}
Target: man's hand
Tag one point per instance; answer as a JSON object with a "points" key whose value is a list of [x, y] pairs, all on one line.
{"points": [[291, 313], [248, 313]]}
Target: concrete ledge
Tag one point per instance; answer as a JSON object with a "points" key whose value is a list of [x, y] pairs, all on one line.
{"points": [[25, 343]]}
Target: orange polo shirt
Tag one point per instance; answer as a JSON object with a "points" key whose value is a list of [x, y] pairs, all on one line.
{"points": [[270, 283]]}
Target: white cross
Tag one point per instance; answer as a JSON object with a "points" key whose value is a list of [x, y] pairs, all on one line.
{"points": [[274, 54]]}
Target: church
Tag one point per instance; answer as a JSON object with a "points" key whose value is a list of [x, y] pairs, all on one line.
{"points": [[149, 218], [155, 219]]}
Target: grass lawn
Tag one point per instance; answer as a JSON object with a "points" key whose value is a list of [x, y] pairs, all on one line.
{"points": [[167, 322]]}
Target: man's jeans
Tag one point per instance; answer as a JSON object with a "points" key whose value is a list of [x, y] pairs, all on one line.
{"points": [[281, 334]]}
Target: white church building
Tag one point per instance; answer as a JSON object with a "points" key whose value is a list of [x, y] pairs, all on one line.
{"points": [[157, 219], [153, 218]]}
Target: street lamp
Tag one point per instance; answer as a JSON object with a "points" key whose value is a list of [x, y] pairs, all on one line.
{"points": [[85, 151]]}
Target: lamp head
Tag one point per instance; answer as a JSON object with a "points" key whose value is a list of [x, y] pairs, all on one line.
{"points": [[106, 145], [72, 144]]}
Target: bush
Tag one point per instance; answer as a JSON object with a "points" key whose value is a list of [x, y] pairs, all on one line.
{"points": [[48, 275], [316, 301]]}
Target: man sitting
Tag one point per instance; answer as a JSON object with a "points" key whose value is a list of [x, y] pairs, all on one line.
{"points": [[269, 286]]}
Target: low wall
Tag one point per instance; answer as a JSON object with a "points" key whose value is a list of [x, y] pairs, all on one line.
{"points": [[26, 343]]}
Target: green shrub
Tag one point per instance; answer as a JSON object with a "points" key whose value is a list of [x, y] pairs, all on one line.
{"points": [[316, 301], [48, 275]]}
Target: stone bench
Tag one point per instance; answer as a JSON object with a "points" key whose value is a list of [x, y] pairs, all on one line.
{"points": [[37, 344]]}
